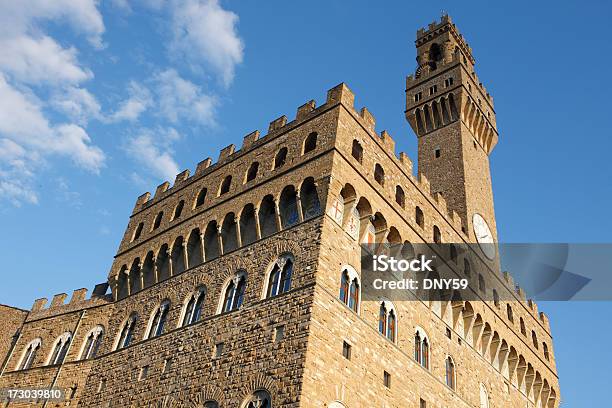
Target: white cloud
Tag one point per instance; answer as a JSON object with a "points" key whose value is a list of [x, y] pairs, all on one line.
{"points": [[28, 138], [77, 103], [139, 100], [180, 98], [31, 63], [152, 149], [19, 17], [35, 60], [203, 31]]}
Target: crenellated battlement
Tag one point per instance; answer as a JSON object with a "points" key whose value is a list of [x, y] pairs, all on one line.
{"points": [[77, 301], [436, 28]]}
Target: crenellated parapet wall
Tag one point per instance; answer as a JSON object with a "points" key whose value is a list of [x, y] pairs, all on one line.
{"points": [[78, 301]]}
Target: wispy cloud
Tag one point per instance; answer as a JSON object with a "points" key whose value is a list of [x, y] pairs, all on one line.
{"points": [[32, 63], [182, 99], [152, 150], [206, 33], [138, 101]]}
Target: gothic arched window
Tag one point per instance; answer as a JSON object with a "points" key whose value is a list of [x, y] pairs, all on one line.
{"points": [[421, 348], [92, 343], [193, 308], [259, 399], [279, 279], [523, 330], [350, 288], [450, 372], [127, 332], [60, 349], [387, 321], [158, 320], [234, 293], [311, 206], [29, 354]]}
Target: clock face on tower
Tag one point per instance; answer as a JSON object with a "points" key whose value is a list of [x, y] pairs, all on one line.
{"points": [[483, 236]]}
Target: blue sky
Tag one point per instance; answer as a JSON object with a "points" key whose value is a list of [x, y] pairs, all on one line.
{"points": [[102, 101]]}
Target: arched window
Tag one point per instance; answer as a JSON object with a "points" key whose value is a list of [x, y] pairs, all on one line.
{"points": [[211, 241], [201, 197], [437, 236], [138, 231], [350, 290], [193, 307], [267, 216], [225, 185], [379, 174], [357, 151], [400, 197], [158, 320], [29, 354], [311, 206], [450, 372], [179, 209], [211, 404], [163, 263], [288, 207], [178, 257], [234, 293], [248, 226], [467, 268], [453, 252], [510, 313], [194, 248], [419, 217], [259, 399], [387, 320], [421, 348], [281, 158], [158, 220], [484, 396], [534, 339], [546, 353], [127, 332], [523, 330], [481, 283], [252, 172], [229, 233], [60, 349], [279, 278], [92, 343], [495, 298], [310, 143]]}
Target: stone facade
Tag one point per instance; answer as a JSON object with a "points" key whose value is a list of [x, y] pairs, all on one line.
{"points": [[310, 205]]}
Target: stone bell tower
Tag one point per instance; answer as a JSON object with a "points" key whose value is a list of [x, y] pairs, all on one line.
{"points": [[453, 117]]}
